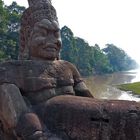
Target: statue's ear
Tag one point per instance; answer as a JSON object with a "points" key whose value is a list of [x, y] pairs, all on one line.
{"points": [[25, 34]]}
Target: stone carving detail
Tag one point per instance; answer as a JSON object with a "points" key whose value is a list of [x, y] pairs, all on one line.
{"points": [[27, 84], [39, 94], [90, 119], [38, 10], [34, 2]]}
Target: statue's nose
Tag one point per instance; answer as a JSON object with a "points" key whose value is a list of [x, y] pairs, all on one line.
{"points": [[52, 39]]}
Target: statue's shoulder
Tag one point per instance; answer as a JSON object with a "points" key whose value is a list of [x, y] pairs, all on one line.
{"points": [[66, 64], [9, 65], [14, 69], [10, 62], [69, 68], [16, 63]]}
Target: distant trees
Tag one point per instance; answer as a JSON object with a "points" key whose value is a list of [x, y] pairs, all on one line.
{"points": [[92, 59], [9, 30], [118, 58], [68, 50], [101, 62], [3, 27], [88, 59]]}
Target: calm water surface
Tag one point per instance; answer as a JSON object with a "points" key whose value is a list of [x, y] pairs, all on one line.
{"points": [[103, 86]]}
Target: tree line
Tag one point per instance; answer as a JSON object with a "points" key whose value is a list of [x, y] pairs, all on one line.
{"points": [[9, 30], [93, 59], [88, 59]]}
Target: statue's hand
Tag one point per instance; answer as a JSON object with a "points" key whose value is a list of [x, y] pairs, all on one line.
{"points": [[38, 83], [82, 90]]}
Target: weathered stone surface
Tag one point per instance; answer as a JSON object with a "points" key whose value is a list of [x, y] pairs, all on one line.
{"points": [[37, 81], [83, 118], [31, 75], [9, 104], [38, 10], [26, 86], [12, 106]]}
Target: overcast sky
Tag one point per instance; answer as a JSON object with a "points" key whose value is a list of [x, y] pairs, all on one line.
{"points": [[101, 21]]}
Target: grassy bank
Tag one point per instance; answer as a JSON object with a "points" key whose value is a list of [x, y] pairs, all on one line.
{"points": [[134, 87]]}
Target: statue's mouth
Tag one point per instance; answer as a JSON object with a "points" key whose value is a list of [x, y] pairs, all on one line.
{"points": [[50, 47]]}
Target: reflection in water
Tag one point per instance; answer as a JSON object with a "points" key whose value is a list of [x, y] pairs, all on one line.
{"points": [[137, 78], [103, 86]]}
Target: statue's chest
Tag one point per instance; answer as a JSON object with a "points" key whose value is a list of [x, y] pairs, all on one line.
{"points": [[27, 75], [61, 73]]}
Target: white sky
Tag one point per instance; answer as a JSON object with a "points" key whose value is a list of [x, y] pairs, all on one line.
{"points": [[101, 21]]}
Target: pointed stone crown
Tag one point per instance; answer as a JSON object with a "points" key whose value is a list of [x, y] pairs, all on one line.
{"points": [[37, 11], [34, 2]]}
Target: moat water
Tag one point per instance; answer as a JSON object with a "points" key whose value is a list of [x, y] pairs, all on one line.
{"points": [[103, 86]]}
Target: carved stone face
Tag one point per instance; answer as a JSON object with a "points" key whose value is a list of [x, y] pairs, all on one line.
{"points": [[45, 42]]}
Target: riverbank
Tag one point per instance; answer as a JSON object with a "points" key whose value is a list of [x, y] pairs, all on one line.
{"points": [[134, 87]]}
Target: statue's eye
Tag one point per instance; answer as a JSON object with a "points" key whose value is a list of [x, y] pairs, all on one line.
{"points": [[39, 40], [57, 34], [40, 32]]}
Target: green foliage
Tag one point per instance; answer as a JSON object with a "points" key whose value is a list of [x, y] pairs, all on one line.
{"points": [[118, 58], [83, 57], [92, 59], [9, 30], [3, 29], [3, 16], [101, 62], [134, 87], [68, 50], [88, 59], [75, 50]]}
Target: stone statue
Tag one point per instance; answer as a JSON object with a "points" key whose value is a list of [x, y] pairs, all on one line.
{"points": [[40, 94], [39, 74]]}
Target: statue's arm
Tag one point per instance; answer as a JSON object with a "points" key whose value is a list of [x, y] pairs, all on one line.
{"points": [[79, 84], [82, 90]]}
